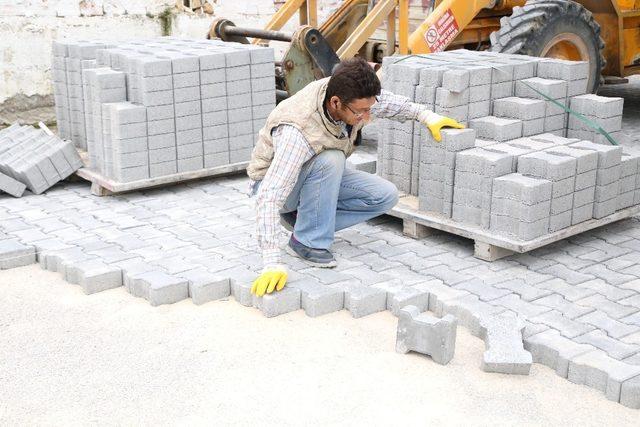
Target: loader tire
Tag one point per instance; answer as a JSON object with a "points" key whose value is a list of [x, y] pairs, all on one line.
{"points": [[556, 29]]}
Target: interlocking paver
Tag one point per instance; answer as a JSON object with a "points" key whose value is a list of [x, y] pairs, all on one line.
{"points": [[567, 308], [613, 293], [570, 276], [568, 291], [567, 327], [553, 350], [612, 309], [612, 327], [613, 347], [612, 277], [522, 289], [480, 288]]}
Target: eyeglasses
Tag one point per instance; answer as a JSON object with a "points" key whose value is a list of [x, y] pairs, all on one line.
{"points": [[361, 114]]}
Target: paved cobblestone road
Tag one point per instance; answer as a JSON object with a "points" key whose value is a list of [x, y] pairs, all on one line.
{"points": [[582, 293]]}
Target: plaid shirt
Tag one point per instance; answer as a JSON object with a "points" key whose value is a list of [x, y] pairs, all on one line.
{"points": [[291, 151]]}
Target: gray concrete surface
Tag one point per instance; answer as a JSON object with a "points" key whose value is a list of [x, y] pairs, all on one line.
{"points": [[71, 359]]}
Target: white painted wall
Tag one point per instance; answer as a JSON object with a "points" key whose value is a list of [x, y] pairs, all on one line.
{"points": [[28, 27]]}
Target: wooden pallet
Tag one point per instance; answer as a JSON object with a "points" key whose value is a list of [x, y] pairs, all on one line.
{"points": [[487, 245], [103, 186]]}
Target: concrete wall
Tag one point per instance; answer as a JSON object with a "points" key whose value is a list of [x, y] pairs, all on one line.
{"points": [[27, 28]]}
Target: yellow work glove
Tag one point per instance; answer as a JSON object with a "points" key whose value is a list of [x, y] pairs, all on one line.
{"points": [[435, 122], [272, 278]]}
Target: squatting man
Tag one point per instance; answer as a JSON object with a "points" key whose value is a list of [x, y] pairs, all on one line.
{"points": [[298, 173]]}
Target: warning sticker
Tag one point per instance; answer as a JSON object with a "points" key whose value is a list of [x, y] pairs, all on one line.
{"points": [[442, 32]]}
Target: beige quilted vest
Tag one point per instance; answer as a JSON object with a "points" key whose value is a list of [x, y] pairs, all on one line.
{"points": [[305, 111]]}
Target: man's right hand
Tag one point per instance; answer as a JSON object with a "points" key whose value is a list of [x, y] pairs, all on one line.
{"points": [[272, 278]]}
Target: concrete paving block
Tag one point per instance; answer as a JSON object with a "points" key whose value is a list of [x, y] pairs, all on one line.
{"points": [[597, 370], [545, 165], [479, 93], [608, 155], [484, 162], [188, 122], [496, 128], [562, 204], [586, 161], [606, 208], [455, 80], [468, 309], [630, 393], [527, 190], [163, 288], [153, 99], [182, 80], [278, 302], [407, 296], [205, 286], [611, 124], [448, 98], [161, 141], [501, 90], [96, 276], [455, 140], [560, 221], [583, 197], [11, 186], [479, 109], [597, 106], [362, 300], [505, 352], [532, 127], [155, 84], [426, 334], [519, 108], [553, 88], [519, 210], [241, 280], [318, 299], [208, 77], [581, 214], [563, 70], [191, 136], [14, 254], [606, 176], [555, 351]]}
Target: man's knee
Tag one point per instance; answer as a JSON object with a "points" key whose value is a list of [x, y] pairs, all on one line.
{"points": [[388, 195], [333, 160]]}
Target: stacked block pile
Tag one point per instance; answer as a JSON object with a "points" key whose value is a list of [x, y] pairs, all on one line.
{"points": [[525, 167], [150, 108], [31, 159]]}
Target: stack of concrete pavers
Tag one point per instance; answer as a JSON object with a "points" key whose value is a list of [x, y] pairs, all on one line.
{"points": [[438, 166], [517, 130], [32, 159], [157, 107], [605, 111], [520, 206]]}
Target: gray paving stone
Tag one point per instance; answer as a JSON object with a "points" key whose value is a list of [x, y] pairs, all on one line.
{"points": [[164, 288], [613, 347], [633, 319], [15, 254], [505, 353], [630, 393], [517, 305], [612, 327], [568, 309], [525, 291], [615, 310], [468, 309], [483, 290], [317, 299], [555, 351], [363, 300], [597, 370], [447, 275], [426, 334], [567, 327], [568, 291], [439, 293], [205, 286], [96, 276], [407, 296], [278, 302]]}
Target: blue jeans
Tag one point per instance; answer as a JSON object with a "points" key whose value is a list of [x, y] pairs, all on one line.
{"points": [[330, 197]]}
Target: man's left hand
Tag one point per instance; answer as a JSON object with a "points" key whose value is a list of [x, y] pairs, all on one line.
{"points": [[435, 122]]}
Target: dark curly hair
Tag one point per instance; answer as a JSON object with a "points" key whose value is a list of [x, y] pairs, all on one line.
{"points": [[353, 79]]}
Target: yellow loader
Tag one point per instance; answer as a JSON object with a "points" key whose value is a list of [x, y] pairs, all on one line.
{"points": [[606, 33]]}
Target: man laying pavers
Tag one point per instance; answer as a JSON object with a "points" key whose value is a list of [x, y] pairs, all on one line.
{"points": [[298, 169]]}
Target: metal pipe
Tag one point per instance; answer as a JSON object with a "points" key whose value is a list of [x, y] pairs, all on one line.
{"points": [[229, 30]]}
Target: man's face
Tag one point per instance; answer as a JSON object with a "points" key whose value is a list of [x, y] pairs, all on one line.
{"points": [[354, 111]]}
